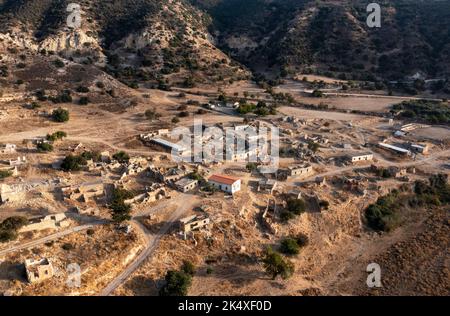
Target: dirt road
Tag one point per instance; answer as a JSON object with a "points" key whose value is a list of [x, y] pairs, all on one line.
{"points": [[152, 240], [52, 237]]}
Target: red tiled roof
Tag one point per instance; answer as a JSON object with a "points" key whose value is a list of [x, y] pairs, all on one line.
{"points": [[223, 179]]}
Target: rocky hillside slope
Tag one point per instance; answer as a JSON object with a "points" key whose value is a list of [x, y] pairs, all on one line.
{"points": [[136, 40], [332, 37]]}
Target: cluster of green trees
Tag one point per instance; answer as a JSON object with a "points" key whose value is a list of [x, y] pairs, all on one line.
{"points": [[10, 226], [56, 136], [76, 162], [431, 112], [73, 163], [121, 157], [385, 214], [260, 109], [178, 282]]}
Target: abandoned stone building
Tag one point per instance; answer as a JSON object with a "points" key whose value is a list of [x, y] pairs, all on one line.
{"points": [[355, 158], [84, 192], [168, 175], [20, 161], [299, 170], [38, 270], [193, 223], [8, 149], [54, 221], [186, 184], [10, 193], [268, 185], [421, 149], [13, 170]]}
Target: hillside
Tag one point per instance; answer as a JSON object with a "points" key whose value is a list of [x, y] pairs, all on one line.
{"points": [[191, 42], [332, 38], [135, 40]]}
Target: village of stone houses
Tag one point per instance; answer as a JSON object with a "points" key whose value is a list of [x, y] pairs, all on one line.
{"points": [[299, 186]]}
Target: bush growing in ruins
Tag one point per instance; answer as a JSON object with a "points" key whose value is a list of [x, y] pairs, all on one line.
{"points": [[314, 147], [275, 265], [44, 147], [5, 174], [92, 155], [10, 226], [296, 206], [60, 115], [120, 211], [73, 163], [252, 166], [121, 157]]}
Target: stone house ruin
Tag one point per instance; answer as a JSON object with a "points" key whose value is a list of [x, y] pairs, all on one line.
{"points": [[192, 223], [47, 222], [38, 270], [84, 192], [154, 193], [170, 175], [299, 170], [268, 185], [355, 158], [8, 149], [10, 193], [186, 184]]}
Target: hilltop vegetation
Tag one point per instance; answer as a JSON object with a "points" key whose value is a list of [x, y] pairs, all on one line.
{"points": [[150, 41], [332, 38]]}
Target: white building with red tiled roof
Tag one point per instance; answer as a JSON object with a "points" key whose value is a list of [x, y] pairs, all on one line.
{"points": [[225, 183]]}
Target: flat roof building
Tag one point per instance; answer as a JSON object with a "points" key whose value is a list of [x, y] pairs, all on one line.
{"points": [[172, 147], [398, 150], [360, 157], [186, 185]]}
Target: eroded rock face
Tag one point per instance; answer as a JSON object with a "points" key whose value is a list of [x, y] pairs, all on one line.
{"points": [[20, 40], [69, 40], [76, 44]]}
